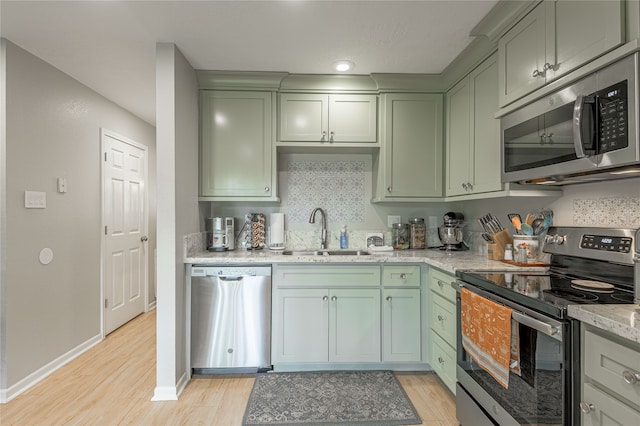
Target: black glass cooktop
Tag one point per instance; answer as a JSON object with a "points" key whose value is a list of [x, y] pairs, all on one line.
{"points": [[550, 293]]}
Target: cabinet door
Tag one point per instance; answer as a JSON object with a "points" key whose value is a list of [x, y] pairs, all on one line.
{"points": [[459, 152], [412, 146], [606, 410], [583, 30], [443, 318], [236, 156], [304, 117], [485, 168], [353, 118], [522, 51], [354, 325], [401, 340], [300, 325], [443, 361]]}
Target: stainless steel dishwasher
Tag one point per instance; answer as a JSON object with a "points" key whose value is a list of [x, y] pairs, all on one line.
{"points": [[230, 319]]}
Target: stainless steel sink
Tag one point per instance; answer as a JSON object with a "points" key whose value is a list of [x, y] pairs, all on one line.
{"points": [[325, 253]]}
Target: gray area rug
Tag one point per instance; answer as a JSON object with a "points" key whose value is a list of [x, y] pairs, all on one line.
{"points": [[329, 398]]}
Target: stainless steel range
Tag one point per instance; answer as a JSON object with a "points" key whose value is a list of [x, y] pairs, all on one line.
{"points": [[588, 266]]}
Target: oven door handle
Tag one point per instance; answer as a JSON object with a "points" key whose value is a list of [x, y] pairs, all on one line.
{"points": [[536, 324]]}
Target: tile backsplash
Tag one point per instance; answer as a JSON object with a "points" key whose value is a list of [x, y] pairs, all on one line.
{"points": [[623, 212], [337, 186]]}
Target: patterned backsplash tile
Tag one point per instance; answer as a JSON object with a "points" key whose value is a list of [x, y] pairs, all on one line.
{"points": [[336, 186], [622, 212]]}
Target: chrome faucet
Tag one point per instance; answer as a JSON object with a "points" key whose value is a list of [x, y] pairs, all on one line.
{"points": [[312, 219]]}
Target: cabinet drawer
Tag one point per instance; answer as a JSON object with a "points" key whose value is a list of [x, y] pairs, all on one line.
{"points": [[607, 361], [401, 276], [443, 318], [443, 361], [606, 410], [333, 276], [440, 282]]}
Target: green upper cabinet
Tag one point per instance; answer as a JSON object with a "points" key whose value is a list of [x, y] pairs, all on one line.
{"points": [[556, 37], [327, 119], [473, 134], [410, 161], [237, 150]]}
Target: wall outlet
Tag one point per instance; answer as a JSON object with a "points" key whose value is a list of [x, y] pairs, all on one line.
{"points": [[391, 219]]}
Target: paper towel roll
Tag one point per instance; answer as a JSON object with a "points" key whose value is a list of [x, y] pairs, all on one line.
{"points": [[276, 231]]}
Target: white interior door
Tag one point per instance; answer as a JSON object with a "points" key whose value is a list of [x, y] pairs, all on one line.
{"points": [[125, 230]]}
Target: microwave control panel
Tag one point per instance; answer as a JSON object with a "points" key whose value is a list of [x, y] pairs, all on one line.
{"points": [[613, 129]]}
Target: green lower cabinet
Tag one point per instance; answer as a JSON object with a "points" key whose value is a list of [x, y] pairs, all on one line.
{"points": [[443, 322], [401, 325], [610, 393]]}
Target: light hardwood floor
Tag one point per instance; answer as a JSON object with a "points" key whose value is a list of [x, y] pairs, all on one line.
{"points": [[112, 384]]}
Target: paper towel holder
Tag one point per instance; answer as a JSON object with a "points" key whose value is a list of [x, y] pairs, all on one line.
{"points": [[277, 236]]}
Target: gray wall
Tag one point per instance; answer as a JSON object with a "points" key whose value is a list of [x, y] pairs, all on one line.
{"points": [[53, 130], [177, 143]]}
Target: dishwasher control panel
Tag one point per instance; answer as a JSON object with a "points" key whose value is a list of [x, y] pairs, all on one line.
{"points": [[233, 271]]}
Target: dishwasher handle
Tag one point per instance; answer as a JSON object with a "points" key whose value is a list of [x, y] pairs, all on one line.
{"points": [[230, 277]]}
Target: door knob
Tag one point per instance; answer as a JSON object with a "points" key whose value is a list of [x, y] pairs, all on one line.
{"points": [[144, 238]]}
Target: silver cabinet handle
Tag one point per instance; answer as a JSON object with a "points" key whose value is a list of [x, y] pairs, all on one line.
{"points": [[440, 318], [334, 298], [630, 377], [548, 67], [144, 238], [331, 135], [325, 298], [388, 298], [537, 73], [585, 407]]}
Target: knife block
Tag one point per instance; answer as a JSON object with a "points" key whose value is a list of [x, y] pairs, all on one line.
{"points": [[495, 250]]}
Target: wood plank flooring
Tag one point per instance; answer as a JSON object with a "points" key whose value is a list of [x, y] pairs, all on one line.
{"points": [[112, 384]]}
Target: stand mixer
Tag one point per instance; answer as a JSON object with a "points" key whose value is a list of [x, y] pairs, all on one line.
{"points": [[451, 232]]}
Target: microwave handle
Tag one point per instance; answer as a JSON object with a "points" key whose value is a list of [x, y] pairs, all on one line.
{"points": [[578, 146]]}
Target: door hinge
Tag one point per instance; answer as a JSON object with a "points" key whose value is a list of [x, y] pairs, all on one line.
{"points": [[105, 157], [106, 301], [105, 230]]}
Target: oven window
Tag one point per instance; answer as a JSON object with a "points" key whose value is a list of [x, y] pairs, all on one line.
{"points": [[536, 392], [546, 139]]}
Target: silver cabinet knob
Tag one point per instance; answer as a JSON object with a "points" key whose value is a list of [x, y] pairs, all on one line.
{"points": [[548, 67], [440, 284], [334, 298], [331, 135], [440, 318], [469, 186], [389, 189], [388, 298], [325, 298], [586, 408], [266, 189], [440, 360], [403, 276], [630, 377], [537, 73], [144, 238], [324, 135]]}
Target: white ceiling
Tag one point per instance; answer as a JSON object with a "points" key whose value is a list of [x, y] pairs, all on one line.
{"points": [[110, 45]]}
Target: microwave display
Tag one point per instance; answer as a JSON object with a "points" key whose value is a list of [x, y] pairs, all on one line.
{"points": [[613, 131]]}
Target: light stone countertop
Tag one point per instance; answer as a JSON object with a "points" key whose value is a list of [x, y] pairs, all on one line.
{"points": [[620, 320], [463, 260]]}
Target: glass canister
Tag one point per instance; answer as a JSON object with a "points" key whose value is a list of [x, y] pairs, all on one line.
{"points": [[526, 248], [400, 236], [417, 233]]}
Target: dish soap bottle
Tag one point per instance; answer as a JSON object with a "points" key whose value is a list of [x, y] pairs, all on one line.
{"points": [[344, 240]]}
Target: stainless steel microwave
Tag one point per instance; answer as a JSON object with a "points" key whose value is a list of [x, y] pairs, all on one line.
{"points": [[585, 132]]}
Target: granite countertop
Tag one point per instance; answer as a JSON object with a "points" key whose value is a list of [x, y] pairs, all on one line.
{"points": [[463, 260], [621, 320]]}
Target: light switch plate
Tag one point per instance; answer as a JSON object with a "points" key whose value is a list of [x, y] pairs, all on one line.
{"points": [[391, 219], [35, 200]]}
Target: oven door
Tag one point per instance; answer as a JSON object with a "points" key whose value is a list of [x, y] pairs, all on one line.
{"points": [[540, 382]]}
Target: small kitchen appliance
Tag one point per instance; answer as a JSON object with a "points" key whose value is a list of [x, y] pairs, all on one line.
{"points": [[587, 266], [451, 232], [216, 232], [230, 229]]}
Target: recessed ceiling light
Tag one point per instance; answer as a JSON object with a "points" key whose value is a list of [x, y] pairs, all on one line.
{"points": [[343, 66]]}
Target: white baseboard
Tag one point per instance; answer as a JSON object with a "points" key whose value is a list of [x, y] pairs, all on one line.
{"points": [[171, 393], [152, 306], [34, 378]]}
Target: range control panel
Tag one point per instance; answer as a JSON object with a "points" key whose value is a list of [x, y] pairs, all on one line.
{"points": [[607, 243]]}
